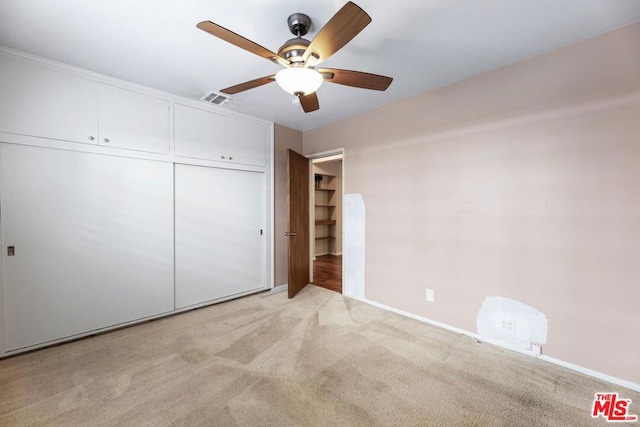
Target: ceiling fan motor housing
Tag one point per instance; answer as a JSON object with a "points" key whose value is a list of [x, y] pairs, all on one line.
{"points": [[293, 49]]}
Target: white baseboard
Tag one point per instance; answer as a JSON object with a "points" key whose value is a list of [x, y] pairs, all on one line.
{"points": [[595, 374], [280, 288], [591, 372]]}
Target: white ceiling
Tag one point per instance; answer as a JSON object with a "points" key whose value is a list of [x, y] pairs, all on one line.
{"points": [[422, 44]]}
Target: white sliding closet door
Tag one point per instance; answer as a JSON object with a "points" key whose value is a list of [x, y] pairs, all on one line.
{"points": [[93, 238], [220, 247]]}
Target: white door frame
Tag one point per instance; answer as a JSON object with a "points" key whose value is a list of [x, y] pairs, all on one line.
{"points": [[338, 153]]}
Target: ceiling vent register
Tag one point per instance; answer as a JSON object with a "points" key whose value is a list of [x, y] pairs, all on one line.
{"points": [[217, 99]]}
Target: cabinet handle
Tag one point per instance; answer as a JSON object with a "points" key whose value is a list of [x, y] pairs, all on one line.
{"points": [[91, 138], [106, 140], [222, 157], [230, 158]]}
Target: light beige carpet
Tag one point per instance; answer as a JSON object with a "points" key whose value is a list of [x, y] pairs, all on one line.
{"points": [[317, 360]]}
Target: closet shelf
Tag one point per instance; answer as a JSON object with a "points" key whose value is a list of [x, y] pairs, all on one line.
{"points": [[326, 201]]}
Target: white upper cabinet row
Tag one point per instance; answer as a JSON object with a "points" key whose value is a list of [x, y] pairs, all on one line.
{"points": [[39, 101], [206, 135]]}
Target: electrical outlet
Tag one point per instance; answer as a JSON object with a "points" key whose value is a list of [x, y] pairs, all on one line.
{"points": [[430, 295], [508, 326]]}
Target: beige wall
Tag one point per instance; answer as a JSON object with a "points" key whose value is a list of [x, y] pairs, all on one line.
{"points": [[284, 138], [523, 182]]}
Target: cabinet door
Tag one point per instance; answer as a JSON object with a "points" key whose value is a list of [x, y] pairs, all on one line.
{"points": [[246, 141], [37, 101], [220, 250], [198, 133], [133, 121], [93, 238]]}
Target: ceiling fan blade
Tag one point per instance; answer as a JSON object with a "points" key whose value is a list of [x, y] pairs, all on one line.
{"points": [[241, 42], [249, 85], [355, 78], [309, 102], [344, 26]]}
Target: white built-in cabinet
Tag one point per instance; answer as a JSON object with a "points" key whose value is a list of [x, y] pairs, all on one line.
{"points": [[245, 141], [92, 238], [206, 135], [132, 121], [119, 204], [39, 101], [198, 133], [220, 241]]}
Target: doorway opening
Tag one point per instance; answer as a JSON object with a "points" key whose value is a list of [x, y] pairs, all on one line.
{"points": [[327, 220]]}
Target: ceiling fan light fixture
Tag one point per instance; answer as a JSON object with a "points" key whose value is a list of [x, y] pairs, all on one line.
{"points": [[299, 81], [300, 56]]}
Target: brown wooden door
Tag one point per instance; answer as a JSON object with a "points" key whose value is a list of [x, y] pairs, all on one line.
{"points": [[298, 226]]}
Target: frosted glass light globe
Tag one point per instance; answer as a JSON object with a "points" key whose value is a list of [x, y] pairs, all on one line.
{"points": [[299, 80]]}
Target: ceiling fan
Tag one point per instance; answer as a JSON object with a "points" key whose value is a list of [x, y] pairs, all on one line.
{"points": [[299, 56]]}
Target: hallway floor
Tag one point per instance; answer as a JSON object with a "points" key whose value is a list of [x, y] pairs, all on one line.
{"points": [[327, 272]]}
